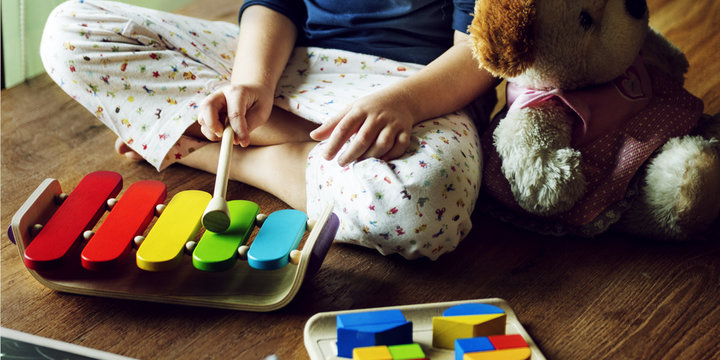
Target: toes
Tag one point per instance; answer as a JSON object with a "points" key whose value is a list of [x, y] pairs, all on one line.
{"points": [[123, 149]]}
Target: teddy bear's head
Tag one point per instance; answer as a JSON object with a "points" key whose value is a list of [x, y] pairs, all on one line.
{"points": [[563, 44]]}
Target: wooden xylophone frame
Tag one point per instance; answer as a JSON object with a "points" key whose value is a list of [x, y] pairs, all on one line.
{"points": [[240, 288]]}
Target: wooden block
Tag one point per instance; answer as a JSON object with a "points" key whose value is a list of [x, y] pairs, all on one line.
{"points": [[79, 212], [280, 233], [388, 327], [470, 345], [370, 318], [179, 223], [508, 341], [446, 329], [372, 353], [218, 251], [128, 218], [406, 352], [467, 321], [505, 354], [472, 309]]}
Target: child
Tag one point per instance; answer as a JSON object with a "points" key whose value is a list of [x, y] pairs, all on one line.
{"points": [[397, 156]]}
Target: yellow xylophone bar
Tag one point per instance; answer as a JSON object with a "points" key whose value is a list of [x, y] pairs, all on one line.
{"points": [[179, 223]]}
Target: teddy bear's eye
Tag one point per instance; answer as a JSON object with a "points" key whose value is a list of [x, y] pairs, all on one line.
{"points": [[586, 21]]}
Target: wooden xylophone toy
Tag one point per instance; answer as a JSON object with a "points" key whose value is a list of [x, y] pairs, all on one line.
{"points": [[54, 235]]}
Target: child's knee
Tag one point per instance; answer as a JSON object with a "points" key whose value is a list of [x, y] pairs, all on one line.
{"points": [[64, 14], [418, 205], [56, 46]]}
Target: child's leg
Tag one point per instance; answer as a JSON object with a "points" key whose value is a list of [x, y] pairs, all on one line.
{"points": [[141, 72], [417, 205], [277, 169]]}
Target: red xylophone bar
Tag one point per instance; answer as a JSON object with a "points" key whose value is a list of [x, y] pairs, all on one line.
{"points": [[128, 218], [79, 212]]}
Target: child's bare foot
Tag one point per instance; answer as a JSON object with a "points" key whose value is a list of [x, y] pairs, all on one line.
{"points": [[123, 149]]}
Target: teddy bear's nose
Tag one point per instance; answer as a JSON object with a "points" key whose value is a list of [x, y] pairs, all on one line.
{"points": [[636, 8]]}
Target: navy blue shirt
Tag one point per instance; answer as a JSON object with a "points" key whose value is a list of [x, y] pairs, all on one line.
{"points": [[415, 31]]}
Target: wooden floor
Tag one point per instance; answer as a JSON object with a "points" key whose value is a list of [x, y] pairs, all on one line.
{"points": [[612, 297]]}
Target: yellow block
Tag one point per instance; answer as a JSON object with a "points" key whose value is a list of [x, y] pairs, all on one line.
{"points": [[505, 354], [446, 329], [179, 223], [372, 353]]}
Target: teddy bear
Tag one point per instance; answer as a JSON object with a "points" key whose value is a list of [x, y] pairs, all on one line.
{"points": [[598, 131]]}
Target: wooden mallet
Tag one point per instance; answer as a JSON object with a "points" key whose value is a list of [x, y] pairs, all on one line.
{"points": [[216, 217]]}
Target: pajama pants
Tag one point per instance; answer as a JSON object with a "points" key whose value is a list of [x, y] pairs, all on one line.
{"points": [[144, 72]]}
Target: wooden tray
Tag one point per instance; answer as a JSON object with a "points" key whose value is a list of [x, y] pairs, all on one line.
{"points": [[240, 288], [321, 333]]}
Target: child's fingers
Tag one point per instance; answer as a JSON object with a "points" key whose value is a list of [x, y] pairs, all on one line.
{"points": [[258, 114], [382, 144], [238, 122], [402, 143], [324, 131], [341, 133], [209, 114], [236, 106], [364, 140], [209, 134]]}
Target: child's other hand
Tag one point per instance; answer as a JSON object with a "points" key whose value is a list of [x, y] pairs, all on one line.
{"points": [[382, 125], [245, 107]]}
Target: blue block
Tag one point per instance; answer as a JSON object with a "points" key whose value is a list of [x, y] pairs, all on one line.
{"points": [[370, 329], [470, 345], [369, 318], [473, 309]]}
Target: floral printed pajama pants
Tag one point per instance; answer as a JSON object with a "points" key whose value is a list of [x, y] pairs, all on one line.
{"points": [[144, 72]]}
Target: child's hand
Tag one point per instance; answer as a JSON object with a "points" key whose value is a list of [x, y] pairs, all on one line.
{"points": [[382, 124], [245, 107]]}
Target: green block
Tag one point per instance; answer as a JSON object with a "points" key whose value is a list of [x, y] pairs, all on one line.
{"points": [[218, 251], [406, 351]]}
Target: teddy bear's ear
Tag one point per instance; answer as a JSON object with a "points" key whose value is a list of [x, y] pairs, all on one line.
{"points": [[503, 36]]}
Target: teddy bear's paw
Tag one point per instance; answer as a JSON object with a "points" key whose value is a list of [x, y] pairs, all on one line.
{"points": [[548, 182], [681, 195]]}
